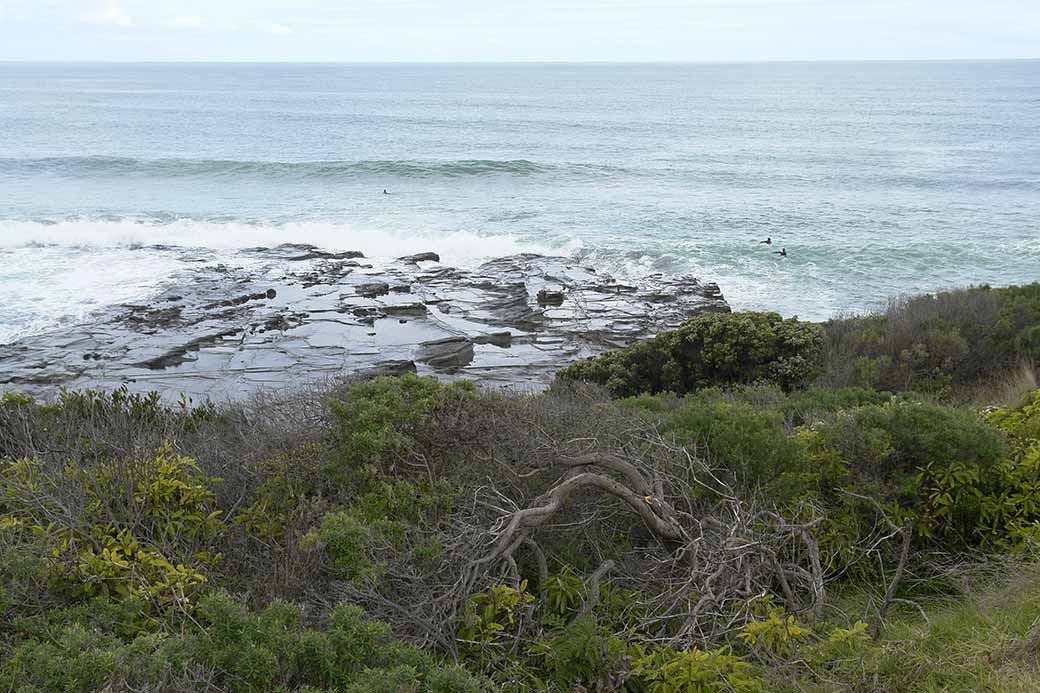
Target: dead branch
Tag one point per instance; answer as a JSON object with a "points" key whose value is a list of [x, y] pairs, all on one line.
{"points": [[656, 514], [592, 587], [908, 533]]}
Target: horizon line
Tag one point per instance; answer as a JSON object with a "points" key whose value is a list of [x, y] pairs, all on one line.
{"points": [[227, 61]]}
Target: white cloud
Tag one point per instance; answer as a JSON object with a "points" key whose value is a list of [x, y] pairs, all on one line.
{"points": [[276, 29], [383, 30], [109, 13], [185, 21]]}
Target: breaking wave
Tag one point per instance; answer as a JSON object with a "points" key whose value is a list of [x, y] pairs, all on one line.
{"points": [[76, 166], [54, 273], [461, 248]]}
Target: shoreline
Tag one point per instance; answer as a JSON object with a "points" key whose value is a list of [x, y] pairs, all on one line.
{"points": [[300, 314]]}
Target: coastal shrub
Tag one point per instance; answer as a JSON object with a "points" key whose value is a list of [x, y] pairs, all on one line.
{"points": [[947, 344], [806, 406], [1021, 422], [586, 654], [374, 420], [944, 467], [777, 636], [288, 484], [930, 461], [88, 425], [142, 528], [582, 654], [489, 616], [749, 442], [1011, 508], [717, 349], [395, 490], [814, 480], [665, 670], [939, 343], [899, 438], [346, 539], [224, 647], [394, 519], [765, 446]]}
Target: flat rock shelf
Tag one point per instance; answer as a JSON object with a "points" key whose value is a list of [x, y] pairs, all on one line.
{"points": [[294, 313]]}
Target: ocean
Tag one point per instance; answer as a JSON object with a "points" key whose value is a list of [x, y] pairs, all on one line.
{"points": [[878, 178]]}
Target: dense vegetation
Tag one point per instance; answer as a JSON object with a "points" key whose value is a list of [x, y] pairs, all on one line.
{"points": [[720, 526], [711, 349], [950, 344]]}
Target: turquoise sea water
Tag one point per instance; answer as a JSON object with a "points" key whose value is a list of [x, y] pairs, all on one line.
{"points": [[878, 178]]}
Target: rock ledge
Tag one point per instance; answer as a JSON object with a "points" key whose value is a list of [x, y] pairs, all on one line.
{"points": [[222, 332]]}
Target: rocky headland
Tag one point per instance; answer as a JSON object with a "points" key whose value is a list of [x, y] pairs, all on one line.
{"points": [[295, 313]]}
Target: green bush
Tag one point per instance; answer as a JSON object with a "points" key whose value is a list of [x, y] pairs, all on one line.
{"points": [[936, 343], [226, 647], [393, 517], [903, 451], [583, 653], [452, 679], [1021, 422], [944, 467], [118, 556], [89, 425], [145, 528], [943, 344], [1010, 503], [664, 670], [346, 539], [804, 407], [717, 349], [749, 442], [374, 421], [895, 440]]}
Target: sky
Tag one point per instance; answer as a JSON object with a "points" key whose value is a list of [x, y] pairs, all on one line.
{"points": [[517, 30]]}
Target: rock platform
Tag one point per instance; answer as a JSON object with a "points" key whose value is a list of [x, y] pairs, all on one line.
{"points": [[295, 313]]}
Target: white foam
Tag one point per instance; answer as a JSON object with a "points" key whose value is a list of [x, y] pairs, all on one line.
{"points": [[54, 274], [461, 247], [44, 287]]}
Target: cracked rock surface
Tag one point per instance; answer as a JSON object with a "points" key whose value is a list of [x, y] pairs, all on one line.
{"points": [[297, 314]]}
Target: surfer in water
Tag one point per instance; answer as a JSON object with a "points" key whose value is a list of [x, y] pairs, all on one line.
{"points": [[782, 252], [767, 241], [385, 191]]}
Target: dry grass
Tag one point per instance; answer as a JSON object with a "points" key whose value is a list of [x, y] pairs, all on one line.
{"points": [[948, 343], [1007, 390], [989, 641]]}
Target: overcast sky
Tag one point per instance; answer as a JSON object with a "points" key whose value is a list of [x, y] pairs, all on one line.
{"points": [[494, 30]]}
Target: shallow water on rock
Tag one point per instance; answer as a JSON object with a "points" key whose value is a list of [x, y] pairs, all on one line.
{"points": [[292, 318]]}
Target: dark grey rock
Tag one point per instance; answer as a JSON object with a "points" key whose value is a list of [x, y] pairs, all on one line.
{"points": [[420, 257], [372, 289], [245, 298], [180, 353], [416, 310], [550, 298], [449, 354], [320, 255], [387, 368], [499, 339]]}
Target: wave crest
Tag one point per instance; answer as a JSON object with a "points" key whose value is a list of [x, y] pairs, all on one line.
{"points": [[460, 247], [218, 168]]}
